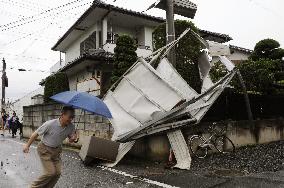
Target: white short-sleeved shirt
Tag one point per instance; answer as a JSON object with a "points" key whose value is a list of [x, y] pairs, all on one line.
{"points": [[53, 134]]}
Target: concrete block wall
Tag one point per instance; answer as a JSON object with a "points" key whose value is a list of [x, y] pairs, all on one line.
{"points": [[155, 147], [86, 123], [242, 133]]}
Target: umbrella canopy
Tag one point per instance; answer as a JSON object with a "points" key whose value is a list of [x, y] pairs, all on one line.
{"points": [[83, 100]]}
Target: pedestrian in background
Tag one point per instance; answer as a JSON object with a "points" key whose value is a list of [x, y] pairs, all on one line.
{"points": [[53, 133], [20, 127], [3, 121], [7, 123], [13, 124]]}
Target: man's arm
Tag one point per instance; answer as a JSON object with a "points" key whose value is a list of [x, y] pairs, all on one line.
{"points": [[29, 143]]}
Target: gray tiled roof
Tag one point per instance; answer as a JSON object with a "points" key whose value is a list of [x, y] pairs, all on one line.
{"points": [[241, 49]]}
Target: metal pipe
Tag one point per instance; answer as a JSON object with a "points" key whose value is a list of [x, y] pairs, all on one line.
{"points": [[248, 107], [170, 30]]}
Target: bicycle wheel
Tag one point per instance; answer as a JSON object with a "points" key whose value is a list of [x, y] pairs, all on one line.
{"points": [[223, 144], [196, 143]]}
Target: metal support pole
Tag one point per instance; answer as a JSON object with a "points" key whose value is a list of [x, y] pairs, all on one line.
{"points": [[3, 83], [250, 116], [170, 30], [60, 60]]}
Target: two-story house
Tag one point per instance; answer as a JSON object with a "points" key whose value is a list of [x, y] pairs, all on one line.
{"points": [[89, 43]]}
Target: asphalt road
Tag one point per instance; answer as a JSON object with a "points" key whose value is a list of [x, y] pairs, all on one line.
{"points": [[18, 170]]}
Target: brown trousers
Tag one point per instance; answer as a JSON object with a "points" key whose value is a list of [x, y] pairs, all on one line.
{"points": [[51, 163]]}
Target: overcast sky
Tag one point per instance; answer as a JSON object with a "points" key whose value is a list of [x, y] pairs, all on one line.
{"points": [[26, 42]]}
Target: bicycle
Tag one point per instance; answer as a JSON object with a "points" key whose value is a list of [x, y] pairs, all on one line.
{"points": [[200, 145]]}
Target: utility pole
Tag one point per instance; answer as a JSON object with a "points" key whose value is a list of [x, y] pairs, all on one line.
{"points": [[170, 30], [181, 7], [4, 83]]}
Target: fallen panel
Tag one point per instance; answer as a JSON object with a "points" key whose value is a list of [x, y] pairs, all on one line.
{"points": [[98, 148], [200, 107], [180, 149], [122, 121], [148, 95], [122, 151], [169, 73]]}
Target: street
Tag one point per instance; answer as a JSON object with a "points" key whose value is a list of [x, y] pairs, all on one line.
{"points": [[19, 169]]}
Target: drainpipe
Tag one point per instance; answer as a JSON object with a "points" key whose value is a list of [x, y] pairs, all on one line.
{"points": [[104, 30], [97, 35]]}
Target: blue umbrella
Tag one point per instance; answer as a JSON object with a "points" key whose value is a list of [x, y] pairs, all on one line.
{"points": [[83, 100]]}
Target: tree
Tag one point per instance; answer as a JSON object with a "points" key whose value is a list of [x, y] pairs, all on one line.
{"points": [[259, 76], [124, 56], [187, 51], [267, 49], [217, 71], [55, 84]]}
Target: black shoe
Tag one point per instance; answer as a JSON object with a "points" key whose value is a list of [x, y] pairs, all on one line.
{"points": [[2, 134]]}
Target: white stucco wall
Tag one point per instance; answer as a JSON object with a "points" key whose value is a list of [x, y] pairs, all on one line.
{"points": [[85, 81], [24, 101], [149, 37], [144, 35], [238, 56], [73, 51]]}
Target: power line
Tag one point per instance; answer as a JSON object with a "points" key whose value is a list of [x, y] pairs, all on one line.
{"points": [[266, 8], [37, 38], [41, 13], [6, 13], [51, 23], [17, 4], [37, 3], [29, 57], [24, 23], [27, 70]]}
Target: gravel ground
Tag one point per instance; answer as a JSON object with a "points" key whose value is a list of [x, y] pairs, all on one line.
{"points": [[250, 159], [244, 161], [248, 167]]}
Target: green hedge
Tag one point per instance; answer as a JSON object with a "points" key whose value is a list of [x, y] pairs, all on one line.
{"points": [[55, 84], [124, 56]]}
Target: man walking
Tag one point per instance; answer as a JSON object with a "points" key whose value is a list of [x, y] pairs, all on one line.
{"points": [[13, 124], [53, 133]]}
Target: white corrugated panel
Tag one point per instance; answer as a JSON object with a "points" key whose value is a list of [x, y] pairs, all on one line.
{"points": [[199, 108], [170, 74], [148, 80], [122, 150], [134, 102], [228, 64], [122, 121], [180, 149], [139, 97]]}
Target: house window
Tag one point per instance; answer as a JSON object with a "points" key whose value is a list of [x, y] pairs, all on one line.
{"points": [[89, 43], [100, 39]]}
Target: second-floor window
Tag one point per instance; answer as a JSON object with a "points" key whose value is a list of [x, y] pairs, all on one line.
{"points": [[88, 44], [112, 37]]}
